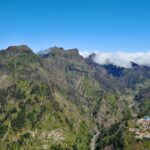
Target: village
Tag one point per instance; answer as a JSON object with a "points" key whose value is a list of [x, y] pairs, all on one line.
{"points": [[141, 128]]}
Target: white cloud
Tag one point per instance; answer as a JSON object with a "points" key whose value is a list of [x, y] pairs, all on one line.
{"points": [[84, 53], [122, 59]]}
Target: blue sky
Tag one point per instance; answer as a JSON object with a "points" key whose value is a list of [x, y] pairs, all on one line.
{"points": [[104, 25]]}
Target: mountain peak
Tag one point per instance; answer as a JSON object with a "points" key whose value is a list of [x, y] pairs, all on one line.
{"points": [[133, 64], [73, 51], [16, 49], [52, 50], [56, 50], [59, 51], [90, 58]]}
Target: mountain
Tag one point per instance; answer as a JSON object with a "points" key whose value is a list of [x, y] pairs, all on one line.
{"points": [[57, 99]]}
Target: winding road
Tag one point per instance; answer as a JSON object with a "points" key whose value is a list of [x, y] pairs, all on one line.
{"points": [[94, 139]]}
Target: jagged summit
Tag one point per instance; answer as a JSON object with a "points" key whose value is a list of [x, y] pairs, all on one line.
{"points": [[67, 96], [73, 51], [90, 58], [58, 51]]}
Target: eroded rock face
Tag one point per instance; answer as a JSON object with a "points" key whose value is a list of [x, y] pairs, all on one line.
{"points": [[73, 52], [18, 49], [62, 90], [59, 52]]}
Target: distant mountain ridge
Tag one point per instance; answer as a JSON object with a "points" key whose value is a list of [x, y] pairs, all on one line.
{"points": [[59, 92]]}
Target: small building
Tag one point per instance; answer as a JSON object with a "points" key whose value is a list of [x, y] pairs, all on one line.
{"points": [[147, 118]]}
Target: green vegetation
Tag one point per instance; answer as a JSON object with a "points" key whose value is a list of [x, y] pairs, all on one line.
{"points": [[60, 100], [113, 135]]}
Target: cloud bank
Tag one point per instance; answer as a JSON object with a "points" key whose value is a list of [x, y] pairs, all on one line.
{"points": [[121, 59]]}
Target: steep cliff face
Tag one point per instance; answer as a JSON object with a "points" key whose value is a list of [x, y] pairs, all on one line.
{"points": [[57, 99]]}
